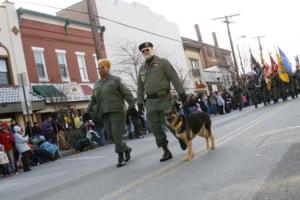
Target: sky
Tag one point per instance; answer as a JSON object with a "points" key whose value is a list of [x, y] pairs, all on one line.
{"points": [[276, 21]]}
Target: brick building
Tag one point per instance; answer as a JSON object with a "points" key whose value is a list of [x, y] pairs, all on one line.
{"points": [[210, 64], [60, 59], [12, 65]]}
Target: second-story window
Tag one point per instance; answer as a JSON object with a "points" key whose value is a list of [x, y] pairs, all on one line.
{"points": [[63, 67], [82, 66], [39, 59], [195, 67], [4, 76]]}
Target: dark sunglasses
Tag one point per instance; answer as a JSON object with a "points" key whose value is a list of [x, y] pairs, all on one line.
{"points": [[145, 50]]}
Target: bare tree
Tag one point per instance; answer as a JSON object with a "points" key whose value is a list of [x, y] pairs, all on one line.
{"points": [[129, 60]]}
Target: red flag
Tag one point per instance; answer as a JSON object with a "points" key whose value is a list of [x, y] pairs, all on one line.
{"points": [[274, 66]]}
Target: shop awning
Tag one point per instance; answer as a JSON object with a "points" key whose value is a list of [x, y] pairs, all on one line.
{"points": [[10, 100], [47, 91], [87, 90], [10, 95]]}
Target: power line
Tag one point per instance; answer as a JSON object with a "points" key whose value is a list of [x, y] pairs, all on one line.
{"points": [[107, 19]]}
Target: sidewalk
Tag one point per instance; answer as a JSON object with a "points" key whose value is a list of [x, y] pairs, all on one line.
{"points": [[65, 153]]}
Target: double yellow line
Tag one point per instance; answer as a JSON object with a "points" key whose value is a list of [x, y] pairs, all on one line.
{"points": [[173, 165]]}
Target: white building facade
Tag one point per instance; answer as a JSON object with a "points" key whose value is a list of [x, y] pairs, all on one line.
{"points": [[130, 24]]}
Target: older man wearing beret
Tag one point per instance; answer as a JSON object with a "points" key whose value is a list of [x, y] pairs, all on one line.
{"points": [[154, 80], [107, 105]]}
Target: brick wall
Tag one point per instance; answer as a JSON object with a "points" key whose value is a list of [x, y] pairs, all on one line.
{"points": [[51, 37]]}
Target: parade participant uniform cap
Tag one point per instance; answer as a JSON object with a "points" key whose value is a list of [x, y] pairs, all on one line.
{"points": [[145, 45], [104, 63]]}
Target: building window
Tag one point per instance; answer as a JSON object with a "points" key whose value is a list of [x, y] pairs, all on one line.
{"points": [[195, 67], [4, 76], [39, 59], [96, 63], [82, 66], [63, 67]]}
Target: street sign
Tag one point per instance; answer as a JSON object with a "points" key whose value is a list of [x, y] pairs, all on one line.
{"points": [[25, 94]]}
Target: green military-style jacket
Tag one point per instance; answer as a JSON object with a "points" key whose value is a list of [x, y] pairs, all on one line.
{"points": [[155, 79], [108, 96]]}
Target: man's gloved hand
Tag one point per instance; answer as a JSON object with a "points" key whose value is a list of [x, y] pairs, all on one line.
{"points": [[132, 112], [141, 109]]}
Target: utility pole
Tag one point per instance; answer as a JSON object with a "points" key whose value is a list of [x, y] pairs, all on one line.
{"points": [[226, 20], [260, 48], [90, 6]]}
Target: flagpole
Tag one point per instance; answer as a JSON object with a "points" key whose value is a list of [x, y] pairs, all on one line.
{"points": [[260, 48]]}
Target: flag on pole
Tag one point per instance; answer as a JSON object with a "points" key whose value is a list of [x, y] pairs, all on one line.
{"points": [[256, 70], [274, 66], [282, 72], [266, 67], [255, 66], [285, 61]]}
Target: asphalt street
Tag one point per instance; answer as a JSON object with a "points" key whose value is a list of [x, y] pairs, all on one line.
{"points": [[257, 157]]}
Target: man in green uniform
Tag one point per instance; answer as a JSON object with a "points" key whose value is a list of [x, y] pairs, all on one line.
{"points": [[252, 90], [154, 81], [107, 105], [237, 95]]}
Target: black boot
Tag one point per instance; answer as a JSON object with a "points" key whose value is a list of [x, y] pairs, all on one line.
{"points": [[121, 162], [167, 154], [127, 154]]}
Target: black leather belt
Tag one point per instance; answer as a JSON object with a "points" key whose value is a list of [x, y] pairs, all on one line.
{"points": [[152, 96], [156, 96]]}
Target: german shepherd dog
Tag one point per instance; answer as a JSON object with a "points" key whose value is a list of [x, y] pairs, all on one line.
{"points": [[186, 128]]}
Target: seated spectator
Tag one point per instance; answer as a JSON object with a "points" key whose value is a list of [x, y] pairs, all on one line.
{"points": [[22, 147], [4, 163], [52, 149]]}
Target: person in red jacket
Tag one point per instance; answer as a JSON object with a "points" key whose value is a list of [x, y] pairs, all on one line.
{"points": [[7, 140]]}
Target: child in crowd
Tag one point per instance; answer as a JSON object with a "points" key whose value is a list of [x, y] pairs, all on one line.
{"points": [[4, 161]]}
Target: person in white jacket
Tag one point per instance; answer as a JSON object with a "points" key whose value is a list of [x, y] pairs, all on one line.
{"points": [[22, 147], [220, 102]]}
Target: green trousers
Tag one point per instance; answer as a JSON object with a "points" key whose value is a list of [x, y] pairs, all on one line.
{"points": [[157, 124], [114, 124]]}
